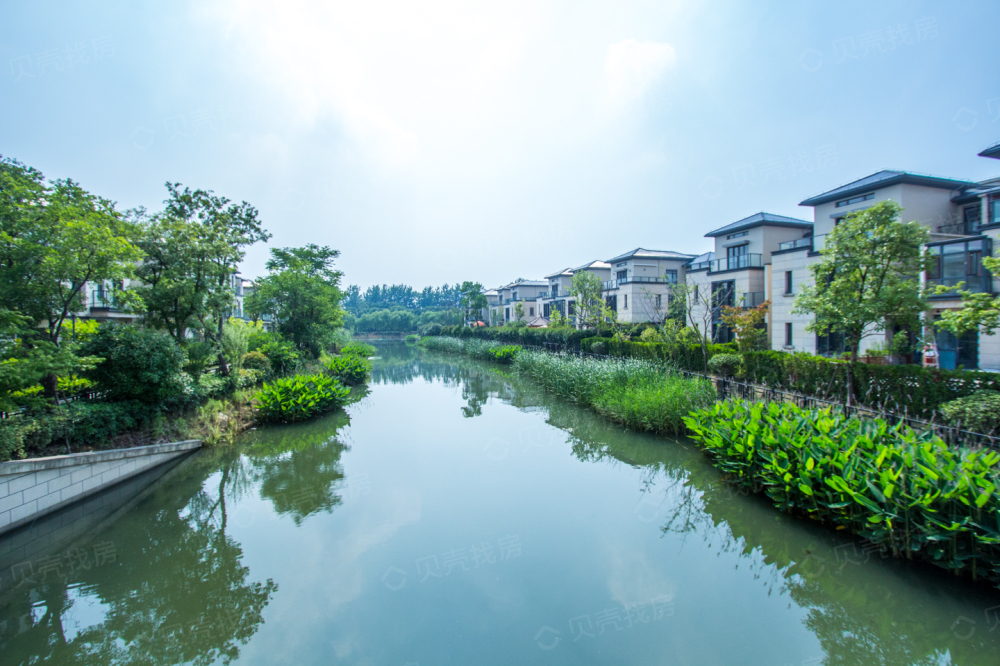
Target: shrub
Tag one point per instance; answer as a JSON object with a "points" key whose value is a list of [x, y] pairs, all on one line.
{"points": [[905, 490], [598, 347], [979, 412], [256, 361], [725, 365], [291, 399], [281, 354], [358, 348], [505, 354], [139, 363], [349, 369], [200, 355], [411, 339], [432, 329], [236, 341]]}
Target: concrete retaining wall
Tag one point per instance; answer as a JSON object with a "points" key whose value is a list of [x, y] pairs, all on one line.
{"points": [[32, 488]]}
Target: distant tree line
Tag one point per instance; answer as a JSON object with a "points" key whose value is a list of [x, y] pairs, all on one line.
{"points": [[403, 296]]}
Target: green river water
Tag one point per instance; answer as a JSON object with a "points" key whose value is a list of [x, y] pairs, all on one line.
{"points": [[457, 515]]}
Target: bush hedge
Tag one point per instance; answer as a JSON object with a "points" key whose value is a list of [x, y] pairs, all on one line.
{"points": [[907, 491], [911, 389], [299, 397], [979, 412], [563, 338], [139, 363]]}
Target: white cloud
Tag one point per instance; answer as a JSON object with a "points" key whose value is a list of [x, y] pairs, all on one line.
{"points": [[633, 67]]}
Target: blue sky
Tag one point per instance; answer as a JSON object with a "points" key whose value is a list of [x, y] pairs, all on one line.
{"points": [[436, 142]]}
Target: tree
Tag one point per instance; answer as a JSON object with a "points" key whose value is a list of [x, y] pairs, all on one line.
{"points": [[192, 251], [518, 312], [473, 300], [302, 290], [588, 292], [867, 275], [748, 325], [979, 310], [54, 240]]}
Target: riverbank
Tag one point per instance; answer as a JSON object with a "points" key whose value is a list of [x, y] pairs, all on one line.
{"points": [[905, 491]]}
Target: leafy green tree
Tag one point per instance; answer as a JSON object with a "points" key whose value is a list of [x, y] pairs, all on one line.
{"points": [[192, 250], [302, 290], [588, 291], [55, 239], [472, 299], [867, 275], [979, 310], [23, 366]]}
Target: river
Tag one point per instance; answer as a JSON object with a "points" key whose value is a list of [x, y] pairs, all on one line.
{"points": [[455, 514]]}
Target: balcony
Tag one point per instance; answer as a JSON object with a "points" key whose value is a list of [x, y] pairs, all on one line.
{"points": [[614, 284], [698, 266], [752, 299], [964, 228], [102, 301], [959, 261], [544, 294], [737, 262], [795, 244]]}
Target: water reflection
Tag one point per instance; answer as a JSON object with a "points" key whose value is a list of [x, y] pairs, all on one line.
{"points": [[164, 585], [862, 606]]}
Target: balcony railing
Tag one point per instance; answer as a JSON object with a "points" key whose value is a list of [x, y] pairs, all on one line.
{"points": [[102, 301], [737, 262], [544, 294], [614, 284], [700, 265], [795, 244], [818, 242], [752, 299], [964, 228]]}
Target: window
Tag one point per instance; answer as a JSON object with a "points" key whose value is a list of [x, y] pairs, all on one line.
{"points": [[788, 334], [788, 283], [696, 293], [621, 264], [831, 344], [670, 276], [738, 235], [994, 210], [854, 200], [736, 257], [572, 307], [555, 290], [951, 263], [970, 218], [531, 312], [625, 307], [659, 301], [622, 275], [506, 314], [545, 310], [612, 302]]}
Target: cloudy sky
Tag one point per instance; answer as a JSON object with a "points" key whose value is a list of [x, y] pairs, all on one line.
{"points": [[441, 141]]}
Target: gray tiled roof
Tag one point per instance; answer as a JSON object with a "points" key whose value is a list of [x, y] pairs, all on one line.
{"points": [[708, 256], [643, 253], [597, 263], [760, 220], [565, 271], [993, 151], [885, 178], [526, 283]]}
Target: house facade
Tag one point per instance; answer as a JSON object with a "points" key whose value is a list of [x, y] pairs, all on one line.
{"points": [[639, 285], [737, 272], [963, 220]]}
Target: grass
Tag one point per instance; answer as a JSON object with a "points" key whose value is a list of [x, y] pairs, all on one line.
{"points": [[640, 394]]}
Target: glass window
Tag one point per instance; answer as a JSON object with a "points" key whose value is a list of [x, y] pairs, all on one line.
{"points": [[622, 275], [671, 276], [788, 282], [788, 334]]}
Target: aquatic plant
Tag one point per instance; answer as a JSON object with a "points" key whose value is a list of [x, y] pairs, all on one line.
{"points": [[358, 348], [349, 369], [505, 354], [901, 489], [299, 397]]}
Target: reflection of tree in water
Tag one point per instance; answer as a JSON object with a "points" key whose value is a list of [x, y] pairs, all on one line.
{"points": [[860, 614], [297, 467], [174, 591]]}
